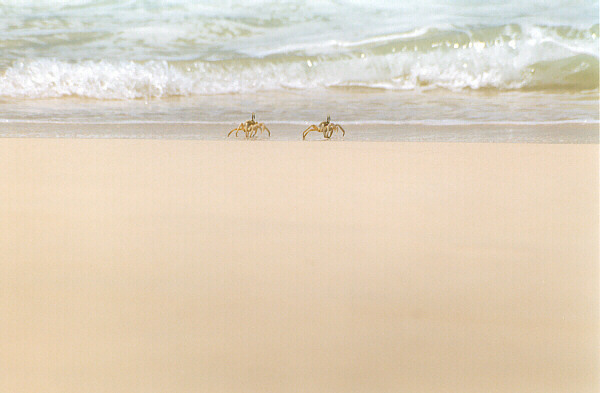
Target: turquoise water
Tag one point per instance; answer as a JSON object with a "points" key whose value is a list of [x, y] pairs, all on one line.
{"points": [[370, 57]]}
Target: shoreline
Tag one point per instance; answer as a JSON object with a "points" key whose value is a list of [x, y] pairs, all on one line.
{"points": [[553, 133]]}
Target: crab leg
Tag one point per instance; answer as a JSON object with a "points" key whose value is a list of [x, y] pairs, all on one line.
{"points": [[231, 132], [310, 129], [241, 127], [255, 129], [340, 127], [264, 128]]}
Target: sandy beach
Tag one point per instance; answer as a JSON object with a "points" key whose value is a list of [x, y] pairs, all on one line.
{"points": [[447, 241], [212, 266]]}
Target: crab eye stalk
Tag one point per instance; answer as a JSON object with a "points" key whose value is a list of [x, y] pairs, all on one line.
{"points": [[328, 118], [253, 116]]}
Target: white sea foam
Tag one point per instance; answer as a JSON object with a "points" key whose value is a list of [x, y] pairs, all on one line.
{"points": [[504, 65], [127, 49]]}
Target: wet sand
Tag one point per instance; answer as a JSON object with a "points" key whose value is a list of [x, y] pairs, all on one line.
{"points": [[212, 266], [569, 133]]}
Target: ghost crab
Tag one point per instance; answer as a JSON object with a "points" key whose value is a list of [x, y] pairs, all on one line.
{"points": [[325, 127], [250, 128]]}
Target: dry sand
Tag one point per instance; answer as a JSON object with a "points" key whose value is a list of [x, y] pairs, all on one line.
{"points": [[193, 266]]}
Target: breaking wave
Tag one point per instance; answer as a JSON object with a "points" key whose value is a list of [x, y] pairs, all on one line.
{"points": [[508, 57]]}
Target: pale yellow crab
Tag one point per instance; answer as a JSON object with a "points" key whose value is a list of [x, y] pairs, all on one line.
{"points": [[250, 128], [325, 127]]}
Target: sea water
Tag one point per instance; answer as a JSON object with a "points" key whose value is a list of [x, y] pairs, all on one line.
{"points": [[403, 62]]}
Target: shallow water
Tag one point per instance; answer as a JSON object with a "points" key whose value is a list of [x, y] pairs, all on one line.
{"points": [[298, 106], [430, 62]]}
